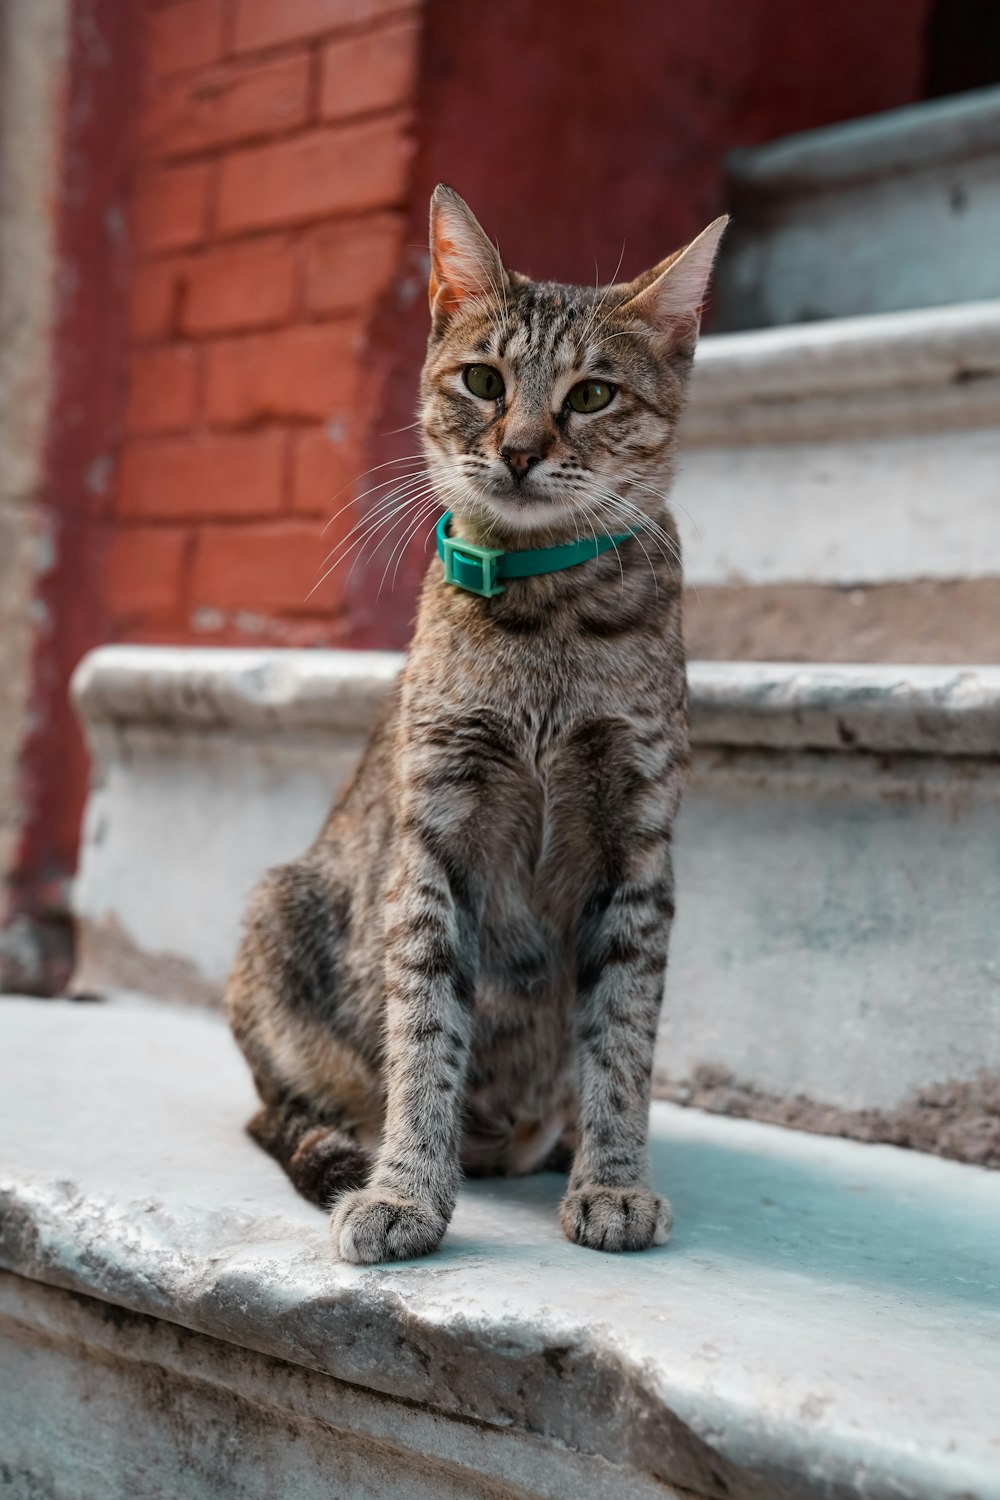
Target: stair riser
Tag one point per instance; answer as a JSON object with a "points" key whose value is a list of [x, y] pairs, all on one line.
{"points": [[836, 940], [195, 1419], [878, 246], [844, 513], [890, 212]]}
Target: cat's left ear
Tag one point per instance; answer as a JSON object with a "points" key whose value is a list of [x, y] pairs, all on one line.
{"points": [[464, 260], [671, 296]]}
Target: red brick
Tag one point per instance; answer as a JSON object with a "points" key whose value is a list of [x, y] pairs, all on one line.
{"points": [[246, 285], [322, 172], [374, 71], [325, 466], [298, 372], [170, 207], [226, 105], [146, 570], [348, 265], [154, 298], [195, 477], [261, 23], [185, 36], [145, 632], [162, 389], [266, 568]]}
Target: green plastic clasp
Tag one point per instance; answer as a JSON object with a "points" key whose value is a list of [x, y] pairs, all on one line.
{"points": [[469, 566]]}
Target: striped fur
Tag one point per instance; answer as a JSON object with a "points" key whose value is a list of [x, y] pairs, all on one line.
{"points": [[465, 971]]}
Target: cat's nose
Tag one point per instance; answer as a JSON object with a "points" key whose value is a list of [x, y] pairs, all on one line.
{"points": [[519, 460]]}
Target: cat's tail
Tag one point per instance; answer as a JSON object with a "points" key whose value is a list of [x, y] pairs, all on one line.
{"points": [[321, 1160]]}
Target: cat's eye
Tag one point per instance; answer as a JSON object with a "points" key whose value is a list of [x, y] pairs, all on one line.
{"points": [[591, 395], [483, 381]]}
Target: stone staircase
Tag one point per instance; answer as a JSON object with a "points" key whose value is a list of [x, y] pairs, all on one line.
{"points": [[835, 956], [826, 1320], [825, 1323], [839, 493]]}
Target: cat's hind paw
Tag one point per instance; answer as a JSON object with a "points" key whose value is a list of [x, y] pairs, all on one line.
{"points": [[371, 1226], [611, 1218]]}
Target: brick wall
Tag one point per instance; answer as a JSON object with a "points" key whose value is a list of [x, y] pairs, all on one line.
{"points": [[274, 141]]}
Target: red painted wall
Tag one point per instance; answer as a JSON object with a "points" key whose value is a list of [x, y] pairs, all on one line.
{"points": [[83, 438], [279, 155]]}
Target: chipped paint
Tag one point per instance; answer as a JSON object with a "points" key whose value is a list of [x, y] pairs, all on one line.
{"points": [[958, 1119]]}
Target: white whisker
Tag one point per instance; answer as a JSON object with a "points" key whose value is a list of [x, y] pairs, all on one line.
{"points": [[388, 502], [400, 508], [607, 292], [616, 516], [399, 520], [369, 510], [400, 547], [416, 458]]}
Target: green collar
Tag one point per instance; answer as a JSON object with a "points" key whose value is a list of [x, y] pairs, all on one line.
{"points": [[479, 570]]}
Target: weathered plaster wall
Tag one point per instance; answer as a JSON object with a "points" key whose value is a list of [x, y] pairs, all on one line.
{"points": [[223, 225], [33, 45]]}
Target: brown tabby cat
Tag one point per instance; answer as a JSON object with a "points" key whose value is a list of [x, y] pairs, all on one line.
{"points": [[466, 968]]}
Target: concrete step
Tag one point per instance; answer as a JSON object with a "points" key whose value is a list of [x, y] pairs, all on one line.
{"points": [[834, 963], [898, 210], [852, 453], [825, 1323]]}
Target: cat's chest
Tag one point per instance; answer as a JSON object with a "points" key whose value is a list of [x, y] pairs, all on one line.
{"points": [[579, 751], [569, 701], [552, 683]]}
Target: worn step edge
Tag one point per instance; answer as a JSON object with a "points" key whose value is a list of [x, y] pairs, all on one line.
{"points": [[917, 137], [936, 347], [168, 1392], [783, 706]]}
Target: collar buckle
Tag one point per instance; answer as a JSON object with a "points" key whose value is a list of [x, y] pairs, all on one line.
{"points": [[470, 566]]}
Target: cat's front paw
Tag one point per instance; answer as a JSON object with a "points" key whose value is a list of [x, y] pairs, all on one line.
{"points": [[372, 1225], [608, 1218]]}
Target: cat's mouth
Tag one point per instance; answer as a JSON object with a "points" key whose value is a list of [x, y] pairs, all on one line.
{"points": [[525, 492], [520, 492], [525, 507], [530, 503]]}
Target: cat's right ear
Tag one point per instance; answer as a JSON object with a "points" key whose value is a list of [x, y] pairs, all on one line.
{"points": [[671, 296], [464, 261]]}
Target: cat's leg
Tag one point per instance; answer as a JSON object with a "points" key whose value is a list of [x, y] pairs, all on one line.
{"points": [[460, 809], [290, 1004], [430, 969], [610, 1204], [621, 961], [321, 1160]]}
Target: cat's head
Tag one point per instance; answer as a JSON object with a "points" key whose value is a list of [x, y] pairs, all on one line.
{"points": [[547, 407]]}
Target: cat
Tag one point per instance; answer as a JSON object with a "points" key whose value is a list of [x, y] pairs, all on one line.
{"points": [[465, 971]]}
